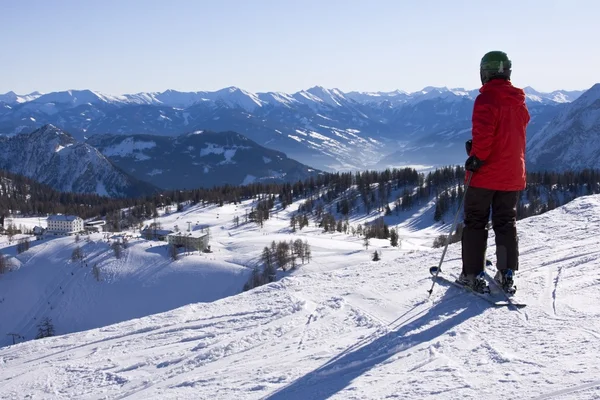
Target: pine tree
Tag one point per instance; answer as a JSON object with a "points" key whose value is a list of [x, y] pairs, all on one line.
{"points": [[394, 238], [77, 254], [376, 256], [45, 328]]}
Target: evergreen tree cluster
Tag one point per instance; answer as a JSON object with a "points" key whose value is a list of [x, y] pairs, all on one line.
{"points": [[45, 329], [284, 255], [545, 191], [23, 245]]}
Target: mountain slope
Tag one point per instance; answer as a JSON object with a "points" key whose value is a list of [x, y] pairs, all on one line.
{"points": [[324, 128], [68, 292], [361, 331], [570, 140], [53, 157], [199, 159]]}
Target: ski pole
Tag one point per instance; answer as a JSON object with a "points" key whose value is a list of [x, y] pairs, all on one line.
{"points": [[451, 231]]}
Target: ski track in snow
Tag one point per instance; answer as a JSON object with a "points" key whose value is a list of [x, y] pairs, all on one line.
{"points": [[359, 330]]}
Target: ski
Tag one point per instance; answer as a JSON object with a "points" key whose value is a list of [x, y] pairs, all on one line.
{"points": [[507, 296], [486, 297]]}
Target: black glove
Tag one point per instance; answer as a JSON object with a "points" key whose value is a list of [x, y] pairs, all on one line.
{"points": [[473, 164], [468, 146]]}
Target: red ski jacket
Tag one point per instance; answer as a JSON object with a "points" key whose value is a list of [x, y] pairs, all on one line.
{"points": [[500, 119]]}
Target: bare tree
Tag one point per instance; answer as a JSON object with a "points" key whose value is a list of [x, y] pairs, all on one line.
{"points": [[96, 272], [117, 249], [269, 265], [22, 245], [4, 266], [293, 254], [173, 253], [307, 252], [299, 249]]}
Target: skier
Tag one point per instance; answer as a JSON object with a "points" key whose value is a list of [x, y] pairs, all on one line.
{"points": [[496, 163]]}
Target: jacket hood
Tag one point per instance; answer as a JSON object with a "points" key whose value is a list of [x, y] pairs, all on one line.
{"points": [[505, 90]]}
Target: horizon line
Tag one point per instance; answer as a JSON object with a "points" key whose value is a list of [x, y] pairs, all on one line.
{"points": [[36, 92]]}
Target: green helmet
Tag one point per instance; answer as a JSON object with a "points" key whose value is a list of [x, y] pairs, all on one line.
{"points": [[494, 65]]}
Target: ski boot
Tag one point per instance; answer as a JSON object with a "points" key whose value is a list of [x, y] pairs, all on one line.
{"points": [[474, 282], [505, 279]]}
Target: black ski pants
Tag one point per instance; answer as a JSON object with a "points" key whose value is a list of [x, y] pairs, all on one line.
{"points": [[478, 202]]}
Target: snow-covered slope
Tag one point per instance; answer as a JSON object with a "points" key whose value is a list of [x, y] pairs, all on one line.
{"points": [[325, 128], [199, 159], [68, 293], [51, 156], [359, 331], [570, 140]]}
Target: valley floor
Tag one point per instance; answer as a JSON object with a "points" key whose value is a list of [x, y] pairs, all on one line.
{"points": [[347, 328]]}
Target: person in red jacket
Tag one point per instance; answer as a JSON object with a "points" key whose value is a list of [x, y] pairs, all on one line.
{"points": [[497, 164]]}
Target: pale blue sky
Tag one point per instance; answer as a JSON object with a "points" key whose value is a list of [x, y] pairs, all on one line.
{"points": [[128, 46]]}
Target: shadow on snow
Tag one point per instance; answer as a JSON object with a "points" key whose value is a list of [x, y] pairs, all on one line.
{"points": [[339, 372]]}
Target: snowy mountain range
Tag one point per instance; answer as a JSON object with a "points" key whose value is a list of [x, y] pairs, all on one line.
{"points": [[53, 157], [324, 128], [571, 139], [199, 159]]}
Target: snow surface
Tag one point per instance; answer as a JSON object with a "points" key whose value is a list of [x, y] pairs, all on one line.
{"points": [[26, 223], [129, 147], [249, 179], [341, 327]]}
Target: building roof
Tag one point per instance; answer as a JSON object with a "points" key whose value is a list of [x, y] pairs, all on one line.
{"points": [[160, 232], [194, 234], [61, 217], [93, 223]]}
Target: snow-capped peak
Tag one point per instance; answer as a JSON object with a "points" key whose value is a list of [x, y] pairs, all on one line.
{"points": [[13, 98], [557, 96], [235, 97]]}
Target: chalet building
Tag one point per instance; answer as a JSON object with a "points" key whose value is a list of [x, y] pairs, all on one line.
{"points": [[64, 225], [194, 240], [38, 231]]}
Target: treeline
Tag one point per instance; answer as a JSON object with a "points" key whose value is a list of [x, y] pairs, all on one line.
{"points": [[545, 191], [29, 198], [342, 193]]}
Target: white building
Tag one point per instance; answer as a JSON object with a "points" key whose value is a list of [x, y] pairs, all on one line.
{"points": [[194, 240], [64, 224]]}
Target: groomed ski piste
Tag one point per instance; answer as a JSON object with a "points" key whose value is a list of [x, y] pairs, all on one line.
{"points": [[340, 327]]}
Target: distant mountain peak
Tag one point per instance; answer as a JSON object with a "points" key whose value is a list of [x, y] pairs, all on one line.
{"points": [[52, 156]]}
